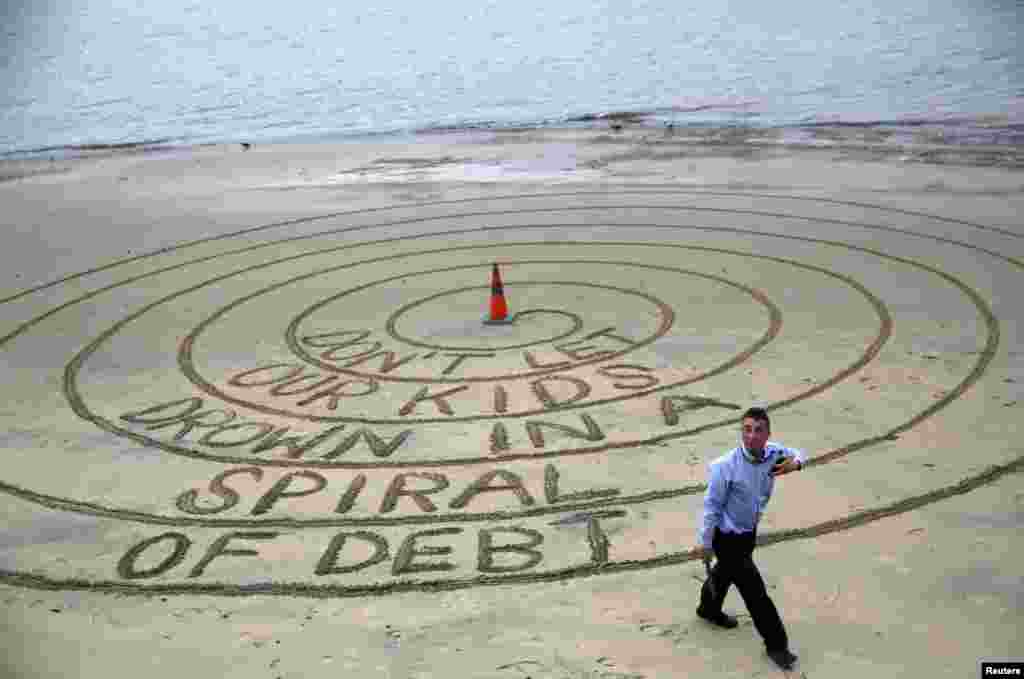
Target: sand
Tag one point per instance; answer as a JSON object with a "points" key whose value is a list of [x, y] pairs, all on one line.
{"points": [[256, 427]]}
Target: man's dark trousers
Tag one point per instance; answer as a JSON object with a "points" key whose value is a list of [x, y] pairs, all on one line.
{"points": [[734, 565]]}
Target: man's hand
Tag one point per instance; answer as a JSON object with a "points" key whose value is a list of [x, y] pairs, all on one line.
{"points": [[706, 555], [785, 465]]}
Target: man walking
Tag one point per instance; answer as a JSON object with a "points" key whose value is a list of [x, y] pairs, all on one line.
{"points": [[739, 486]]}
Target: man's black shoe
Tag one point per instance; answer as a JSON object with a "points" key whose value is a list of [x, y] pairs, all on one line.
{"points": [[783, 658], [721, 619]]}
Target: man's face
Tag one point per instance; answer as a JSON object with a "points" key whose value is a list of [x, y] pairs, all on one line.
{"points": [[755, 434]]}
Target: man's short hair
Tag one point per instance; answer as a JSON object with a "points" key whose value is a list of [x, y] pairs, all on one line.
{"points": [[759, 415]]}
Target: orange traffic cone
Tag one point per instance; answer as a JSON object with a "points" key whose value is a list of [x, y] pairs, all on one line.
{"points": [[499, 309]]}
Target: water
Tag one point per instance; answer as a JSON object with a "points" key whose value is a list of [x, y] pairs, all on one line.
{"points": [[78, 72]]}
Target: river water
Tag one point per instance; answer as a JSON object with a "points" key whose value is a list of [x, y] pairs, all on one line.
{"points": [[81, 72]]}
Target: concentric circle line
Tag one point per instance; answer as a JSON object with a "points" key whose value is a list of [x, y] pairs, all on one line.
{"points": [[671, 190], [979, 368]]}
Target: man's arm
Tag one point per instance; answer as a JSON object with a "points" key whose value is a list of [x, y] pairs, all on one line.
{"points": [[714, 505]]}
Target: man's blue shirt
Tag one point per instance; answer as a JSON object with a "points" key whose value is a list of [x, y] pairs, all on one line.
{"points": [[738, 490]]}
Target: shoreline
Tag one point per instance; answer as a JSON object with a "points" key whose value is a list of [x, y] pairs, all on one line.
{"points": [[965, 130], [570, 152]]}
